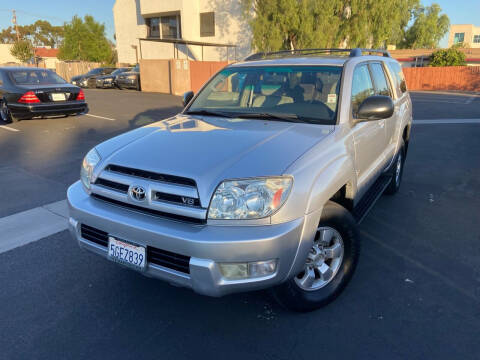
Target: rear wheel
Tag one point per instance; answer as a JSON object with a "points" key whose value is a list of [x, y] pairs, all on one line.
{"points": [[329, 264], [397, 171], [5, 113]]}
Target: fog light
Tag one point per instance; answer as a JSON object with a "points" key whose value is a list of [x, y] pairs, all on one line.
{"points": [[235, 271], [262, 268]]}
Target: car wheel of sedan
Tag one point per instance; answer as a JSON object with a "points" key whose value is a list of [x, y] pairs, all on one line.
{"points": [[397, 171], [5, 113], [329, 265]]}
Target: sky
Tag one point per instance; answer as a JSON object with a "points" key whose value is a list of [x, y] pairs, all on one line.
{"points": [[59, 11]]}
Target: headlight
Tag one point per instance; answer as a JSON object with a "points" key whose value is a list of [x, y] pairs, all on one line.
{"points": [[89, 162], [249, 198]]}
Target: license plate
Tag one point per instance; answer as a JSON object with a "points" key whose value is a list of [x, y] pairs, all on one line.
{"points": [[58, 97], [126, 254]]}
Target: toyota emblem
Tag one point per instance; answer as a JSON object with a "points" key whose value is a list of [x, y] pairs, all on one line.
{"points": [[138, 193]]}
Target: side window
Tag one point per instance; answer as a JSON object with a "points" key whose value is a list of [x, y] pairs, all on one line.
{"points": [[399, 80], [379, 79], [362, 87]]}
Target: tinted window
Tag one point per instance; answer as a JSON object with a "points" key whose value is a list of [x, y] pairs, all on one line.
{"points": [[379, 79], [35, 77], [207, 24], [398, 79], [309, 92], [362, 86]]}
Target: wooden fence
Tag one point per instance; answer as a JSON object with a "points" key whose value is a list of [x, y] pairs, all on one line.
{"points": [[465, 78], [68, 69]]}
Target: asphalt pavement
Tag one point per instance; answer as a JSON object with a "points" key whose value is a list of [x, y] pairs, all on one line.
{"points": [[415, 295]]}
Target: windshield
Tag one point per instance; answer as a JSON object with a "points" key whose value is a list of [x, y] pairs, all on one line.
{"points": [[309, 93], [95, 71], [118, 71], [36, 77]]}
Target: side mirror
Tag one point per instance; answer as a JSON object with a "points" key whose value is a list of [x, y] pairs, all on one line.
{"points": [[375, 107], [187, 97]]}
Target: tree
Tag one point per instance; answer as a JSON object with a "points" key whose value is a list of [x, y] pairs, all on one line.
{"points": [[291, 24], [428, 28], [85, 40], [40, 33], [22, 50], [448, 57]]}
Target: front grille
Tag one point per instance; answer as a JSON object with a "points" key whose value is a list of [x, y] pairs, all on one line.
{"points": [[176, 199], [152, 175], [94, 235], [112, 185], [149, 211], [156, 256]]}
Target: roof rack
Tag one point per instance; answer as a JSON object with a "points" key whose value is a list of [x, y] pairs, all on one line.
{"points": [[308, 52]]}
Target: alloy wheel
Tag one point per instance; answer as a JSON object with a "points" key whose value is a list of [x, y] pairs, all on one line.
{"points": [[323, 260]]}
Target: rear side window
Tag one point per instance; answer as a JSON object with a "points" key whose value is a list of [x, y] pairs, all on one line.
{"points": [[362, 87], [379, 79], [398, 78]]}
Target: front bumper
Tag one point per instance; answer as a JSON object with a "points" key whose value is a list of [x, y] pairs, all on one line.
{"points": [[127, 83], [206, 245], [48, 109]]}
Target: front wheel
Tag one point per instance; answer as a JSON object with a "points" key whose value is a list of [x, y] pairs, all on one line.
{"points": [[329, 265]]}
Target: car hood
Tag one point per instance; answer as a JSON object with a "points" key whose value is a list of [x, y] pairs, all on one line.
{"points": [[210, 150], [105, 77], [76, 78]]}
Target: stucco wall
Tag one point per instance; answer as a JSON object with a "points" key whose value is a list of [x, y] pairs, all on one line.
{"points": [[469, 31], [5, 55], [230, 28]]}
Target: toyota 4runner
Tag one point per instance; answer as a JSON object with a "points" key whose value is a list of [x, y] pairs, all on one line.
{"points": [[259, 182]]}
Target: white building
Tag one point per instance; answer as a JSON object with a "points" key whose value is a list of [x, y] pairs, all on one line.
{"points": [[143, 27]]}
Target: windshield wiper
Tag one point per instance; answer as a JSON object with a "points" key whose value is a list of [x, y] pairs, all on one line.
{"points": [[272, 116], [208, 113]]}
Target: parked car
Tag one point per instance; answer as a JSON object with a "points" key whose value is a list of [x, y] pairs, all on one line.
{"points": [[129, 79], [260, 182], [109, 81], [89, 79], [30, 92]]}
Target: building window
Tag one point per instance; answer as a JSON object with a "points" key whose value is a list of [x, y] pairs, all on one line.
{"points": [[458, 38], [476, 39], [164, 27], [207, 24]]}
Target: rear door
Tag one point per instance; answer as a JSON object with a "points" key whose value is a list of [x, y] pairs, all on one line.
{"points": [[369, 136], [382, 87]]}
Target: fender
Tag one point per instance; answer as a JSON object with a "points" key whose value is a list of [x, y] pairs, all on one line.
{"points": [[330, 179]]}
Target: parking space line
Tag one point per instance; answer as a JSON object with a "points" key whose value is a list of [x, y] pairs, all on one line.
{"points": [[32, 225], [446, 121], [101, 117], [8, 128]]}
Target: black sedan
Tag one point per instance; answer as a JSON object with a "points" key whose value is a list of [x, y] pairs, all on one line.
{"points": [[129, 79], [109, 81], [30, 92], [89, 79]]}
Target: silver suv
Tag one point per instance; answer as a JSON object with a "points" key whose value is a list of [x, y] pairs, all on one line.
{"points": [[259, 183]]}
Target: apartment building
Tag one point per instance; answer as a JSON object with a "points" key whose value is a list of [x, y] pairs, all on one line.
{"points": [[186, 29], [468, 34]]}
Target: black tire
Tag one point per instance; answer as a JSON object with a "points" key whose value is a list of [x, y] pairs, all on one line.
{"points": [[293, 297], [5, 113], [119, 87], [396, 180]]}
